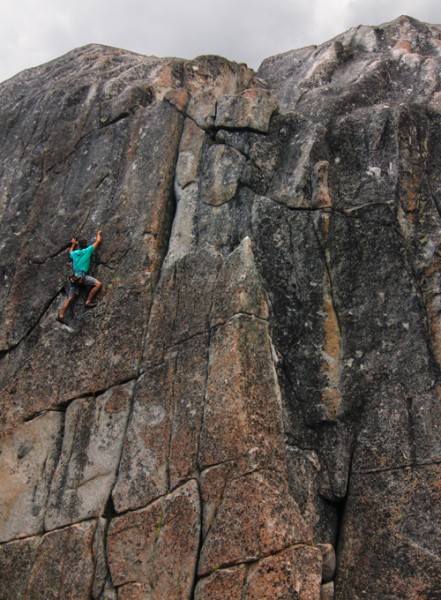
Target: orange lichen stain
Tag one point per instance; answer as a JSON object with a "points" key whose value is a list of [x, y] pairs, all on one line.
{"points": [[117, 403], [411, 191], [436, 485], [412, 202], [435, 264], [404, 45], [332, 400], [321, 196], [326, 220], [331, 366], [332, 329]]}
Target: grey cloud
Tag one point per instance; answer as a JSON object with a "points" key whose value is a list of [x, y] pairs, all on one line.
{"points": [[376, 12], [245, 31]]}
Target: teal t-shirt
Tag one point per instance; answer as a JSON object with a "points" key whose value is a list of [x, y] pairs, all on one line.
{"points": [[81, 259]]}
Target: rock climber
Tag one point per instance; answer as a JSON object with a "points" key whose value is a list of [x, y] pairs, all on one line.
{"points": [[80, 267]]}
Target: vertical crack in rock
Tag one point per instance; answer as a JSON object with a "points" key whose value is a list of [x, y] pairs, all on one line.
{"points": [[332, 349], [173, 411], [101, 582], [207, 370], [416, 218]]}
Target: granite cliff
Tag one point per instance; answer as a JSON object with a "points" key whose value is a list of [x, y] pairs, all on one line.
{"points": [[257, 395]]}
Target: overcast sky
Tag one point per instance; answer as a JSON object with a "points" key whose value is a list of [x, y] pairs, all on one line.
{"points": [[35, 31]]}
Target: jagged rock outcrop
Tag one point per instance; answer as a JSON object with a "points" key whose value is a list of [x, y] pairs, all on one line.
{"points": [[253, 409]]}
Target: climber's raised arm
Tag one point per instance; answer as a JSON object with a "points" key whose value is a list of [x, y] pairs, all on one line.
{"points": [[98, 240]]}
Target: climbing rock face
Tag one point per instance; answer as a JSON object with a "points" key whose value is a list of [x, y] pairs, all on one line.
{"points": [[252, 411]]}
